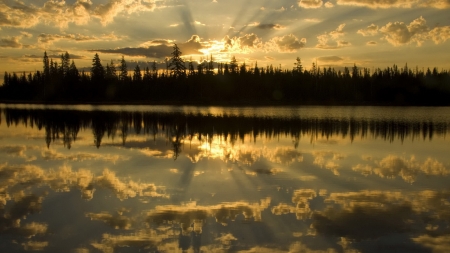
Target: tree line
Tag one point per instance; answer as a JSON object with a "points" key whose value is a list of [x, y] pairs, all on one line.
{"points": [[225, 83]]}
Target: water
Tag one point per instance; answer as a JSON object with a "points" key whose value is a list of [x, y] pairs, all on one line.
{"points": [[212, 179]]}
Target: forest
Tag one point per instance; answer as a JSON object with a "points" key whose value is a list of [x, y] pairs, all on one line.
{"points": [[228, 83]]}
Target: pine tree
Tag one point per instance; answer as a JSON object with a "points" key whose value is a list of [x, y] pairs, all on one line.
{"points": [[65, 64], [298, 65], [46, 67], [6, 79], [137, 75], [234, 65], [123, 76], [97, 70], [73, 73], [257, 73], [176, 64]]}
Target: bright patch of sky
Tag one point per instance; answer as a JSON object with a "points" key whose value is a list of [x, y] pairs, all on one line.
{"points": [[369, 33]]}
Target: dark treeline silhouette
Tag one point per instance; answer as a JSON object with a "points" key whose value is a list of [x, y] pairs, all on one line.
{"points": [[64, 125], [225, 83]]}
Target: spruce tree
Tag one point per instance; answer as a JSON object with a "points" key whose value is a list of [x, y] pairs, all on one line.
{"points": [[137, 75], [176, 64], [123, 76], [97, 70]]}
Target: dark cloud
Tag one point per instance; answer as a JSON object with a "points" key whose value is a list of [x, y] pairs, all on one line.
{"points": [[72, 56], [329, 59], [11, 42], [363, 222], [192, 46], [159, 51], [270, 26]]}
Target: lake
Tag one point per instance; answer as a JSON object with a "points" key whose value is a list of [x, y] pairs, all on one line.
{"points": [[224, 179]]}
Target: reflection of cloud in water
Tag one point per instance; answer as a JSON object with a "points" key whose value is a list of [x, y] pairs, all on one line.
{"points": [[301, 199], [408, 169], [295, 247], [226, 239], [285, 156], [147, 239], [392, 166], [245, 154], [34, 246], [21, 177], [307, 178], [156, 153], [191, 217], [327, 159], [53, 155], [128, 189], [116, 221], [438, 244], [363, 169], [372, 214], [19, 151]]}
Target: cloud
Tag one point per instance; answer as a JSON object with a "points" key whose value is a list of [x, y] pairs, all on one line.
{"points": [[243, 44], [312, 20], [159, 48], [270, 26], [439, 34], [310, 4], [438, 4], [374, 4], [371, 43], [54, 56], [107, 12], [371, 30], [61, 14], [399, 33], [44, 38], [386, 4], [331, 40], [11, 42], [330, 59], [286, 44], [329, 5]]}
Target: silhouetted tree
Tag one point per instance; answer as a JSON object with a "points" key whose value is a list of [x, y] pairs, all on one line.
{"points": [[176, 64], [298, 65], [97, 70], [137, 75], [123, 76]]}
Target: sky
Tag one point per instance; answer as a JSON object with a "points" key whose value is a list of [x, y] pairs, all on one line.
{"points": [[336, 33]]}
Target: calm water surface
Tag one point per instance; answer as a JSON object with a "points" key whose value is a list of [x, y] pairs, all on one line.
{"points": [[209, 179]]}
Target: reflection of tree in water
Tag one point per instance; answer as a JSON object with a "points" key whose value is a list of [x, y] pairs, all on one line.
{"points": [[176, 127]]}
